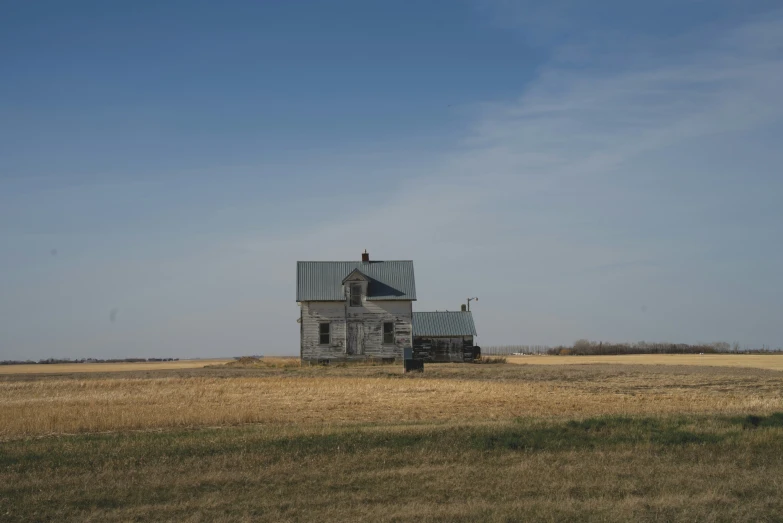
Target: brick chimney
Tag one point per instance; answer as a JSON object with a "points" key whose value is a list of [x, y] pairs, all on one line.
{"points": [[365, 256]]}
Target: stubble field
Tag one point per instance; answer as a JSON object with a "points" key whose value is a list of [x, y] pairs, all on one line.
{"points": [[69, 368], [465, 442]]}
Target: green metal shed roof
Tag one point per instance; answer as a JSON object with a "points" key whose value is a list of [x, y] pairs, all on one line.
{"points": [[443, 324], [323, 280]]}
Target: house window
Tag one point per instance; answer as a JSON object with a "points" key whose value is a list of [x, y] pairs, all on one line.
{"points": [[388, 332], [324, 333], [356, 295]]}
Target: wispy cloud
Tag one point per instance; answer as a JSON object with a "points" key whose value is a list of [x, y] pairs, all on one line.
{"points": [[571, 176]]}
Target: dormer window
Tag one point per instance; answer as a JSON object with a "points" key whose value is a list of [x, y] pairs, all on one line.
{"points": [[356, 295]]}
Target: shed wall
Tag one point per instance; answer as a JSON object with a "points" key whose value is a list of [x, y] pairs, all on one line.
{"points": [[444, 349]]}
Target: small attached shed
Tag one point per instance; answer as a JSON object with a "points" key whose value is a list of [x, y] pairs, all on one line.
{"points": [[444, 336]]}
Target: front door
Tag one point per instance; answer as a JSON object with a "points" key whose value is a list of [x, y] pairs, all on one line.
{"points": [[354, 342]]}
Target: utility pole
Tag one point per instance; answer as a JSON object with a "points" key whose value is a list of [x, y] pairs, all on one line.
{"points": [[470, 300]]}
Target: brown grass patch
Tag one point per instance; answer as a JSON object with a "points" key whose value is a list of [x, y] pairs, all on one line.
{"points": [[251, 362], [490, 360]]}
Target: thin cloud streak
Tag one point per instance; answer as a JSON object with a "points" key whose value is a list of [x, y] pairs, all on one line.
{"points": [[567, 140]]}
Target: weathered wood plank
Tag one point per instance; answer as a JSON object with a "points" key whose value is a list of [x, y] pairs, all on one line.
{"points": [[355, 332], [444, 349]]}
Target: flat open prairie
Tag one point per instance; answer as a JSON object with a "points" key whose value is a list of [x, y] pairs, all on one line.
{"points": [[461, 442], [69, 368], [450, 393], [758, 361]]}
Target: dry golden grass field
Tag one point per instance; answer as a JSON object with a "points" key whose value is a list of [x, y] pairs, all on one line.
{"points": [[68, 368], [277, 442]]}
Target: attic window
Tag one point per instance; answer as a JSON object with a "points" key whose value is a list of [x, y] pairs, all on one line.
{"points": [[356, 295]]}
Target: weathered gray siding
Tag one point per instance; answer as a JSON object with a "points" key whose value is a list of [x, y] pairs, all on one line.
{"points": [[443, 348], [368, 320]]}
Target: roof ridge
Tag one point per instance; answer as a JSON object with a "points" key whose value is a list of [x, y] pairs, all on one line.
{"points": [[350, 261], [441, 312]]}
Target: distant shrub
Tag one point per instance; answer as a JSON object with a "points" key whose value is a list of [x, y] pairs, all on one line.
{"points": [[583, 345], [261, 362], [490, 359]]}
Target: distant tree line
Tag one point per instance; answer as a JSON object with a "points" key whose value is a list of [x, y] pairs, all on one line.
{"points": [[84, 360], [595, 348]]}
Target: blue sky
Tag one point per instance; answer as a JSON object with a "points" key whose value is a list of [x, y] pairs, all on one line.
{"points": [[604, 171]]}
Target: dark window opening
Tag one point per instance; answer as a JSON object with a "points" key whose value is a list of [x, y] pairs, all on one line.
{"points": [[356, 295], [324, 333], [388, 332]]}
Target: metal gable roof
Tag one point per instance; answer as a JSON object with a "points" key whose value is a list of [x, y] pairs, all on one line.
{"points": [[323, 280], [443, 324]]}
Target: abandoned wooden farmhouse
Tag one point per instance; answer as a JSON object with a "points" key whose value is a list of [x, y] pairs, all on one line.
{"points": [[358, 310]]}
